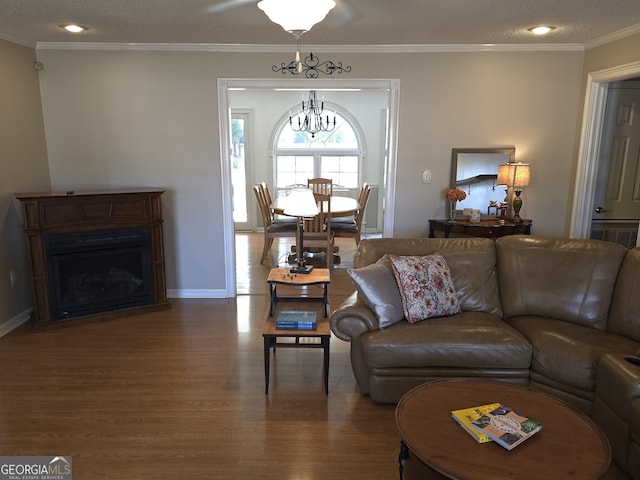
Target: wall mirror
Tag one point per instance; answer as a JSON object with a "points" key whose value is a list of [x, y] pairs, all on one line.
{"points": [[475, 170]]}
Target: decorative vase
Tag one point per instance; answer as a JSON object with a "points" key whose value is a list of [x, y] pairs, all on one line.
{"points": [[452, 210]]}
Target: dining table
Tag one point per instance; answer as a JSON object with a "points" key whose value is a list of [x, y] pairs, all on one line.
{"points": [[341, 206]]}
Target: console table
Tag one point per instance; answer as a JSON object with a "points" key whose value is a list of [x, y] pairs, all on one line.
{"points": [[484, 228]]}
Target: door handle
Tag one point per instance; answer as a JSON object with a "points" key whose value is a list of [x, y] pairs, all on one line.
{"points": [[600, 210]]}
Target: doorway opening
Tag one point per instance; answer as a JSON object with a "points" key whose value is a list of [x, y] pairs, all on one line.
{"points": [[388, 174], [616, 212], [590, 145]]}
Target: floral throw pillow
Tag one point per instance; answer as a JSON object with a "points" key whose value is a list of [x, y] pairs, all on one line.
{"points": [[426, 286]]}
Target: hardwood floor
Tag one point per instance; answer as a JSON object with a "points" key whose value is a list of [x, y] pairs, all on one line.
{"points": [[179, 394]]}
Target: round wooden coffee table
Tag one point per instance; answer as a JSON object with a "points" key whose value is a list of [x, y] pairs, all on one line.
{"points": [[569, 446]]}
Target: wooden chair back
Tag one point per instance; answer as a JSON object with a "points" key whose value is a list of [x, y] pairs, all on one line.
{"points": [[317, 230], [271, 230], [263, 206], [352, 227], [268, 199], [321, 185], [363, 198]]}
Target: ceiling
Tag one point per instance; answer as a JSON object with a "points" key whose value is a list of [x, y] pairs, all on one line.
{"points": [[351, 22]]}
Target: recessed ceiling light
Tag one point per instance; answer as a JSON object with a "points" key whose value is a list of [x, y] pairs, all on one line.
{"points": [[74, 28], [541, 30]]}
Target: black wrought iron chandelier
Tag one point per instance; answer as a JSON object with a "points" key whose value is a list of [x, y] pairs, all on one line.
{"points": [[310, 119]]}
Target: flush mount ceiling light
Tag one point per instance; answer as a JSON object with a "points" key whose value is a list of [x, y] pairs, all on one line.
{"points": [[541, 29], [74, 28], [296, 16]]}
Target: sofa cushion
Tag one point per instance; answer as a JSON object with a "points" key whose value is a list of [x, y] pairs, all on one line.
{"points": [[377, 286], [466, 339], [566, 279], [624, 316], [568, 353], [472, 262], [426, 287]]}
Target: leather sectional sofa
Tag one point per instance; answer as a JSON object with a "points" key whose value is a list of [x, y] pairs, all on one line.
{"points": [[559, 315]]}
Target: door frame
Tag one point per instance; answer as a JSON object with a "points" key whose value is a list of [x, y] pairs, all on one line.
{"points": [[224, 120], [590, 139]]}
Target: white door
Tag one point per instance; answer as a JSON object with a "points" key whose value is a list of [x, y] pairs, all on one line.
{"points": [[617, 195], [240, 172]]}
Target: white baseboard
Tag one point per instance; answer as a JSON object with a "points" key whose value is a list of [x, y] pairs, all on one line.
{"points": [[15, 322], [195, 293]]}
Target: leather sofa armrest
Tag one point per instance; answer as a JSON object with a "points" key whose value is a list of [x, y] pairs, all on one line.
{"points": [[618, 382], [614, 405], [353, 318]]}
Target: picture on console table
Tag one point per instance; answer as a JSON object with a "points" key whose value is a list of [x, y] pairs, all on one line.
{"points": [[506, 427]]}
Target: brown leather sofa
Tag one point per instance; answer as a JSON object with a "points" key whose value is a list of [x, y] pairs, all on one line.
{"points": [[534, 310]]}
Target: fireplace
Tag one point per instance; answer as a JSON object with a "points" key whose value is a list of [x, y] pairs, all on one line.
{"points": [[98, 271], [94, 255]]}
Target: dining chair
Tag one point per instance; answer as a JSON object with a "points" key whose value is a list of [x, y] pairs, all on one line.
{"points": [[269, 198], [321, 185], [351, 227], [272, 228], [317, 230]]}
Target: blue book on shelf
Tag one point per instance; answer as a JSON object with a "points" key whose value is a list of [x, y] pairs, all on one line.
{"points": [[296, 320]]}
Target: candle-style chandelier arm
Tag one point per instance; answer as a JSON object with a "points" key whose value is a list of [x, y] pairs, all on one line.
{"points": [[310, 119]]}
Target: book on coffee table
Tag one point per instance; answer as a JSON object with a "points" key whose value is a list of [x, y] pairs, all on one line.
{"points": [[466, 416], [506, 427], [296, 320]]}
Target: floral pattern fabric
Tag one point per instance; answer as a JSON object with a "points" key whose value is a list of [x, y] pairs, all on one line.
{"points": [[426, 286]]}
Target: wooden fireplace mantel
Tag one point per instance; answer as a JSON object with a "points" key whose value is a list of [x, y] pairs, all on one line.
{"points": [[51, 213]]}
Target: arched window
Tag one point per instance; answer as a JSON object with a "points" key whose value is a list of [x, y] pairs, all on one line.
{"points": [[300, 156]]}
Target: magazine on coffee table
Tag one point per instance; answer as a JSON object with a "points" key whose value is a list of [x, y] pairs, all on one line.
{"points": [[506, 427], [466, 416]]}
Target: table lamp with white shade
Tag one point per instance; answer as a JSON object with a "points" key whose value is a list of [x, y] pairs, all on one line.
{"points": [[302, 204], [515, 175]]}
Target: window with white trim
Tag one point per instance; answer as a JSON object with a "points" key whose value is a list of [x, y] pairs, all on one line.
{"points": [[336, 155]]}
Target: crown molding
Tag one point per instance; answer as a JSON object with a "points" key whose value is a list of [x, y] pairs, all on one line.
{"points": [[256, 48], [620, 34], [19, 41]]}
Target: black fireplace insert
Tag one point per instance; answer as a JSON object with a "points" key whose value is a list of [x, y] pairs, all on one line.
{"points": [[98, 271]]}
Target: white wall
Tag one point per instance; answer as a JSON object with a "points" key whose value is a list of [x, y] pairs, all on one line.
{"points": [[23, 157], [149, 118]]}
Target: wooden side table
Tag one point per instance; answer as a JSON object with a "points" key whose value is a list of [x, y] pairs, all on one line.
{"points": [[296, 339], [569, 446], [282, 276], [484, 228]]}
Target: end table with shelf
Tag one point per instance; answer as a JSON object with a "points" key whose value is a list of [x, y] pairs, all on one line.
{"points": [[275, 338], [282, 276]]}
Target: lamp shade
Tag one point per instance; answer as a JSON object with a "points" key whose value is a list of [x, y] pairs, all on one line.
{"points": [[301, 203], [514, 174], [296, 16]]}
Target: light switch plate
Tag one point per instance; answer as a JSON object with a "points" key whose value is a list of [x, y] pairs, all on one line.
{"points": [[426, 176]]}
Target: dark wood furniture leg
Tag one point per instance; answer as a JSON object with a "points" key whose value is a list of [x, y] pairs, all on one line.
{"points": [[325, 347], [268, 341]]}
